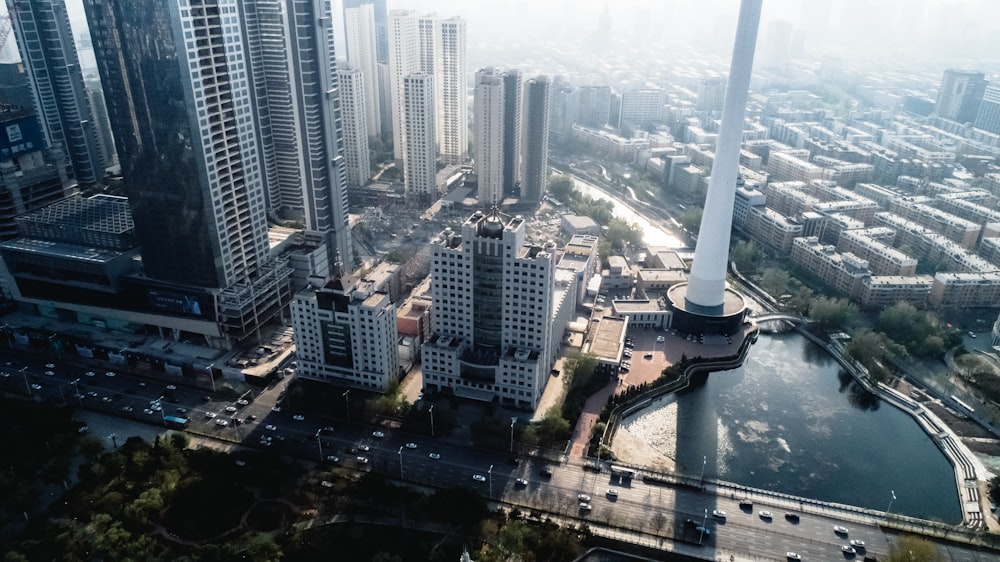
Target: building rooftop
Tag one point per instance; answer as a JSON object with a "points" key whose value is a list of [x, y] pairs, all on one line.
{"points": [[606, 337]]}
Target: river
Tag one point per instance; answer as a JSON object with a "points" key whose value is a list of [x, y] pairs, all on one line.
{"points": [[790, 420]]}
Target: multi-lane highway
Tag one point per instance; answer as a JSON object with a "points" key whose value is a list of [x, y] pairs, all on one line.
{"points": [[636, 506]]}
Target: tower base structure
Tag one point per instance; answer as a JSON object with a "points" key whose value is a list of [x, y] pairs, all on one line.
{"points": [[691, 318]]}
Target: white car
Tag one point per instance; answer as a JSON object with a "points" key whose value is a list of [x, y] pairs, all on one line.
{"points": [[50, 366], [583, 497], [586, 507], [221, 422], [109, 374], [90, 374], [210, 415], [362, 460], [848, 549], [411, 445], [242, 402], [171, 387], [858, 543], [660, 339], [521, 482], [333, 458], [793, 556], [148, 412], [378, 434], [270, 427], [840, 530], [479, 478], [298, 417], [612, 493], [231, 409], [718, 513], [50, 373], [36, 387], [764, 514], [434, 456]]}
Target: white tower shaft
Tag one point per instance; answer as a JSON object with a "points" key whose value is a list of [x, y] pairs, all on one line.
{"points": [[707, 283]]}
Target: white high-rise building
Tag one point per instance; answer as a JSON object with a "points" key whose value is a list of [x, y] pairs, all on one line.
{"points": [[492, 322], [453, 121], [419, 156], [404, 59], [345, 332], [488, 123], [353, 105], [361, 53]]}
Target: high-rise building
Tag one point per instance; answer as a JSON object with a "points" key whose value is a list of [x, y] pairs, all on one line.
{"points": [[45, 40], [565, 110], [453, 121], [419, 157], [289, 47], [595, 104], [641, 107], [381, 25], [345, 332], [361, 53], [777, 44], [513, 90], [488, 125], [988, 117], [711, 93], [404, 59], [535, 145], [353, 101], [960, 94], [492, 322]]}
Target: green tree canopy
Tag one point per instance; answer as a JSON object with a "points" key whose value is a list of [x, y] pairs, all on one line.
{"points": [[690, 219], [911, 548]]}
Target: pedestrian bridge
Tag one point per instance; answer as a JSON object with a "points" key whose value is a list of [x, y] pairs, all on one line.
{"points": [[778, 321]]}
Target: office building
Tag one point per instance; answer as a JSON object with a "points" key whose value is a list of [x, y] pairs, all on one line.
{"points": [[535, 143], [711, 92], [353, 104], [45, 41], [419, 162], [959, 95], [345, 333], [988, 116], [490, 136], [595, 106], [381, 25], [359, 24], [493, 317], [639, 108]]}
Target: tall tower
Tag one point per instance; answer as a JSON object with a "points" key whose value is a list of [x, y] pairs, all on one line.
{"points": [[703, 304], [489, 129], [361, 53], [512, 123], [48, 52], [419, 157], [404, 59], [352, 102], [960, 95], [296, 96], [453, 131], [535, 146]]}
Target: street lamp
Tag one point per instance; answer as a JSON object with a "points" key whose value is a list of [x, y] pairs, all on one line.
{"points": [[701, 479], [159, 404], [703, 521], [114, 439], [347, 401], [400, 453], [512, 421], [25, 375], [431, 412], [319, 443], [888, 509], [490, 473]]}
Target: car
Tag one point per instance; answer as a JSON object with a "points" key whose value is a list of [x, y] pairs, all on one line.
{"points": [[332, 458], [545, 472], [972, 334], [210, 415], [127, 408], [296, 417], [251, 417], [793, 556], [276, 409], [765, 514], [586, 506], [521, 482], [110, 374], [840, 530], [90, 374], [50, 373], [50, 365], [36, 387], [156, 407], [411, 445], [181, 410], [362, 460], [434, 456], [660, 339], [718, 513], [92, 394], [848, 549], [700, 529], [221, 422], [265, 443], [746, 504], [231, 409], [793, 517], [583, 497], [858, 543], [243, 402], [148, 412], [479, 478], [378, 434], [365, 448], [171, 387], [270, 427], [648, 357], [611, 493], [624, 370], [105, 399]]}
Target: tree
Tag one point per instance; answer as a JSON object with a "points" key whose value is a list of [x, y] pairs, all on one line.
{"points": [[620, 234], [747, 256], [800, 302], [563, 189], [911, 548], [774, 281], [833, 312], [553, 428], [690, 219]]}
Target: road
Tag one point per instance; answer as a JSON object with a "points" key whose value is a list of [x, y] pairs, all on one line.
{"points": [[646, 507]]}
